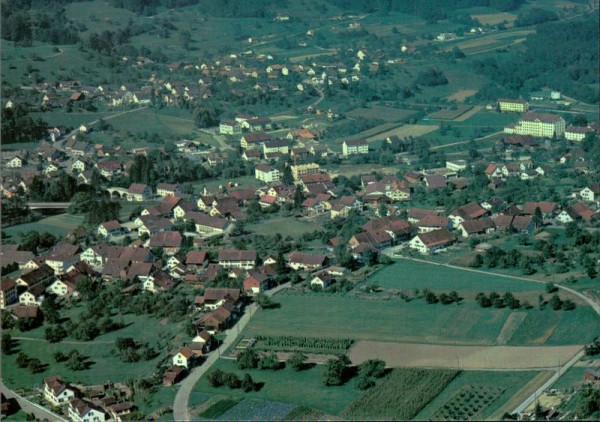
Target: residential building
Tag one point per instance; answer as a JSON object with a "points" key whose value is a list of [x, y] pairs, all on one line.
{"points": [[355, 146], [83, 411], [306, 261], [230, 127], [590, 193], [185, 357], [57, 392], [303, 169], [267, 174], [511, 105], [577, 133], [255, 284], [139, 192], [251, 140], [168, 189], [432, 242], [9, 292], [110, 229]]}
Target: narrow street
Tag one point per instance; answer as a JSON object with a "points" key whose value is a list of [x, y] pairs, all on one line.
{"points": [[181, 403]]}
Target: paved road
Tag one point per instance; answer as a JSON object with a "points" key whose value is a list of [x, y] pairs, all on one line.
{"points": [[181, 403], [40, 412]]}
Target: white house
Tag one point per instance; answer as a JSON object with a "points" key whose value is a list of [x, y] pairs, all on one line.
{"points": [[57, 392], [432, 242], [355, 146], [16, 162], [184, 357], [82, 411]]}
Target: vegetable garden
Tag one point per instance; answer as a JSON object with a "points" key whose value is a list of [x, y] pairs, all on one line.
{"points": [[303, 344], [468, 403]]}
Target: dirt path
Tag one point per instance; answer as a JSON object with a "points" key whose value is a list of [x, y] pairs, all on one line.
{"points": [[510, 326]]}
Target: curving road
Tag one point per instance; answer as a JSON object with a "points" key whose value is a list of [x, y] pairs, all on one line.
{"points": [[181, 404]]}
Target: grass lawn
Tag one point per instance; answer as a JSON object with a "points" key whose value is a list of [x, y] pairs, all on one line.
{"points": [[304, 388], [573, 378], [58, 225], [511, 382], [165, 122], [405, 274], [287, 226], [19, 416]]}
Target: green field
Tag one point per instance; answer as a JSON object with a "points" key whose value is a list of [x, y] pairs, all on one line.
{"points": [[99, 351], [58, 225], [406, 274], [304, 388], [335, 316], [510, 382], [286, 226]]}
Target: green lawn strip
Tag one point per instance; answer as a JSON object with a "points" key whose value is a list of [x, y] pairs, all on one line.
{"points": [[302, 413], [286, 226], [573, 378], [400, 395], [304, 388], [511, 382], [58, 225], [334, 316], [405, 274]]}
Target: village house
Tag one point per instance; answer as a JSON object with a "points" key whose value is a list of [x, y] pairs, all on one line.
{"points": [[548, 209], [205, 224], [322, 279], [169, 241], [266, 173], [215, 321], [57, 392], [590, 193], [577, 133], [576, 212], [471, 211], [43, 274], [63, 288], [230, 127], [139, 192], [185, 357], [304, 169], [233, 258], [304, 261], [213, 298], [482, 226], [196, 260], [255, 283], [82, 411], [354, 146], [110, 229], [433, 222], [168, 189], [109, 169], [9, 292], [432, 242], [254, 139], [173, 375]]}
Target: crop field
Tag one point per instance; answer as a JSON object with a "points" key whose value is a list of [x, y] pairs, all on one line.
{"points": [[400, 395], [461, 95], [450, 114], [468, 403], [462, 357], [495, 18], [509, 382], [404, 132], [387, 114], [467, 115], [58, 225], [166, 122], [303, 344], [303, 388], [491, 40]]}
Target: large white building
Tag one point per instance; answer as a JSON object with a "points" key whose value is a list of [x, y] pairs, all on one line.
{"points": [[541, 125], [355, 146], [510, 105], [266, 173]]}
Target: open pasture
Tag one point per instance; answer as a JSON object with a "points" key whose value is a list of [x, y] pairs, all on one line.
{"points": [[461, 95], [495, 18], [404, 132], [58, 225], [450, 114]]}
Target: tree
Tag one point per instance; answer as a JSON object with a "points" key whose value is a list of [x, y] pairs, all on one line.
{"points": [[76, 361], [22, 360], [568, 305], [298, 197], [205, 116], [264, 301], [247, 359], [232, 380], [297, 361], [336, 371], [60, 356], [555, 302], [55, 333], [430, 297], [7, 343], [270, 361], [35, 365], [248, 383], [216, 378], [287, 178]]}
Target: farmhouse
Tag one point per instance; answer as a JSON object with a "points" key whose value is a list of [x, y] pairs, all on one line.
{"points": [[355, 146], [169, 241], [303, 169], [470, 211], [213, 298], [167, 189], [110, 229], [305, 261], [432, 242], [255, 284], [138, 192], [173, 375], [476, 227], [233, 258], [251, 140], [322, 279], [205, 224], [214, 321], [590, 193], [185, 357]]}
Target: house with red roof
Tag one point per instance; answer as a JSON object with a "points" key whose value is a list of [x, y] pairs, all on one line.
{"points": [[432, 242]]}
